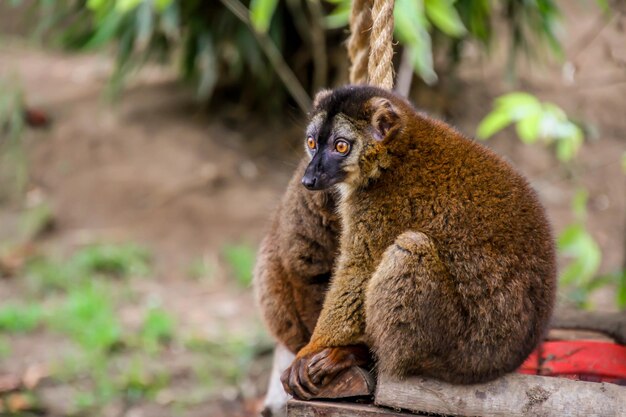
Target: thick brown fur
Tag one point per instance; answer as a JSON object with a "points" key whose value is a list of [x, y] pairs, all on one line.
{"points": [[447, 262], [295, 261]]}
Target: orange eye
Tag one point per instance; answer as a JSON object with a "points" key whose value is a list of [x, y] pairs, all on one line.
{"points": [[310, 142], [342, 146]]}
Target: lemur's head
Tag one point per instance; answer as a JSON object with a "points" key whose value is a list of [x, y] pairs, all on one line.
{"points": [[348, 134]]}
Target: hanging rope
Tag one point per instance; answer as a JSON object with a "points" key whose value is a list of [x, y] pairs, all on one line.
{"points": [[380, 66], [359, 41], [370, 46]]}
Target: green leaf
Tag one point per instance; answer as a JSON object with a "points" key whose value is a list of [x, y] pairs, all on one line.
{"points": [[339, 17], [602, 281], [411, 28], [518, 105], [241, 261], [579, 204], [577, 243], [571, 273], [566, 148], [158, 328], [106, 31], [145, 24], [20, 319], [445, 17], [624, 162], [125, 6], [97, 5], [569, 236], [423, 63], [493, 123], [528, 128], [261, 13], [88, 317], [162, 5], [621, 290]]}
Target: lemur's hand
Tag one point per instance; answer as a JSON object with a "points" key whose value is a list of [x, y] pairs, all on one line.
{"points": [[313, 369]]}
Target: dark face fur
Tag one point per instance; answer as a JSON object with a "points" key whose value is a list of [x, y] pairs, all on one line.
{"points": [[345, 124], [332, 145]]}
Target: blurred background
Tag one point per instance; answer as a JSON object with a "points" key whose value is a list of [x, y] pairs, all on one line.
{"points": [[145, 143]]}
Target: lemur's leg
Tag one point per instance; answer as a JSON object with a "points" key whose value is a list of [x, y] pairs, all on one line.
{"points": [[405, 314]]}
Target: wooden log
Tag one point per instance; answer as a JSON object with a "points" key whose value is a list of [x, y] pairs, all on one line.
{"points": [[612, 324], [297, 408], [512, 395]]}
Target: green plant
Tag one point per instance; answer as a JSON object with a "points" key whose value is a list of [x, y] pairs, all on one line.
{"points": [[17, 318], [227, 358], [534, 120], [240, 258], [157, 329], [136, 382], [119, 260], [125, 260], [255, 46], [424, 25], [88, 317], [578, 246], [107, 362]]}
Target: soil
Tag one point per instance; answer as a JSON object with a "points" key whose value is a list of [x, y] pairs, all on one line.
{"points": [[157, 169]]}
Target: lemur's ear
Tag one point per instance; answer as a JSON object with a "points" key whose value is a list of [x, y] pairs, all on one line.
{"points": [[385, 118], [321, 96]]}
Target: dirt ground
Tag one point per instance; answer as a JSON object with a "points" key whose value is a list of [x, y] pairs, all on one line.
{"points": [[156, 169]]}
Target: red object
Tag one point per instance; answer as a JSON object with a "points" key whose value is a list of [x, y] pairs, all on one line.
{"points": [[36, 118], [578, 359]]}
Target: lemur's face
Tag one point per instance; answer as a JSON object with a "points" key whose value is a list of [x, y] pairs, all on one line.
{"points": [[347, 125], [334, 146]]}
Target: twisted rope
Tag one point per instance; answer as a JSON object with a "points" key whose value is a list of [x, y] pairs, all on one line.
{"points": [[359, 41], [370, 46], [380, 65]]}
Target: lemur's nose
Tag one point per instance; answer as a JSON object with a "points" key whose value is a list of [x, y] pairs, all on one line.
{"points": [[309, 182]]}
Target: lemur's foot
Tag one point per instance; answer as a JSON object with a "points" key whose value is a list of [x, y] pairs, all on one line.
{"points": [[353, 382]]}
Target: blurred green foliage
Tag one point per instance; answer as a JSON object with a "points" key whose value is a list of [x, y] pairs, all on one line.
{"points": [[44, 274], [236, 352], [157, 329], [578, 278], [15, 318], [117, 260], [218, 43], [240, 259], [82, 298], [534, 120]]}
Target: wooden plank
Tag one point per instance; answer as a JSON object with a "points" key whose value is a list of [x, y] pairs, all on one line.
{"points": [[297, 408], [512, 395]]}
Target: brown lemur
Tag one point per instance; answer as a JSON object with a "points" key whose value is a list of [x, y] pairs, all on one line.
{"points": [[446, 264], [295, 262]]}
